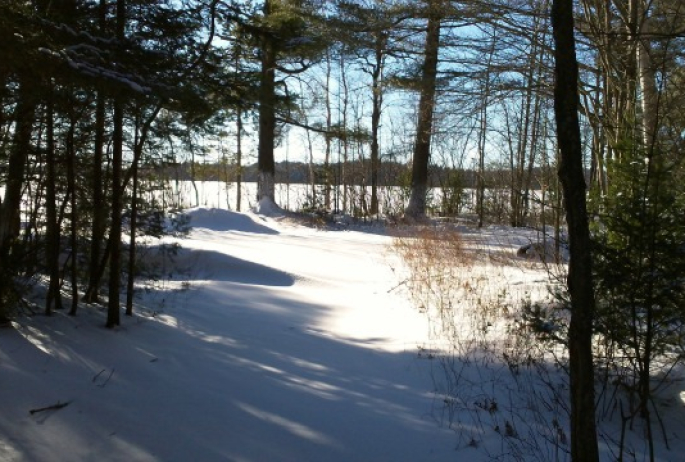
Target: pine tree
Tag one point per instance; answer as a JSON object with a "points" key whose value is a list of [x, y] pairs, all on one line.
{"points": [[288, 40], [424, 126]]}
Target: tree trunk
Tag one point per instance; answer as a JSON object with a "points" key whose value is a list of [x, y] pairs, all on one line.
{"points": [[267, 117], [71, 192], [345, 142], [482, 136], [424, 129], [376, 118], [99, 209], [327, 138], [239, 159], [580, 285], [650, 94], [52, 235], [132, 245], [113, 308], [10, 207]]}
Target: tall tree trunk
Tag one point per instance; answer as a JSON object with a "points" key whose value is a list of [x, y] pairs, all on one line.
{"points": [[376, 116], [521, 174], [10, 207], [482, 135], [345, 142], [72, 193], [267, 117], [113, 308], [649, 105], [53, 233], [99, 209], [238, 137], [580, 285], [239, 159], [312, 173], [650, 94], [132, 244], [327, 138], [424, 128]]}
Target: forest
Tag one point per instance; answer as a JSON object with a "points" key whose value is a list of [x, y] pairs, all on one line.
{"points": [[566, 116]]}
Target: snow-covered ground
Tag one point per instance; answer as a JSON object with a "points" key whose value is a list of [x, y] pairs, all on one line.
{"points": [[282, 344], [265, 340]]}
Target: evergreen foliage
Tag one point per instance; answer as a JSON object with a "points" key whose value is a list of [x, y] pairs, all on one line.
{"points": [[639, 268]]}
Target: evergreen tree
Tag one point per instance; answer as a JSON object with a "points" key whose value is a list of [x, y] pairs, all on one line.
{"points": [[288, 39], [424, 126]]}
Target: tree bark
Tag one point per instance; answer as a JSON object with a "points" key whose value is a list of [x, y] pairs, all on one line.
{"points": [[113, 308], [52, 236], [650, 93], [327, 138], [74, 213], [376, 116], [485, 101], [267, 116], [239, 159], [99, 210], [580, 284], [132, 245], [10, 206], [424, 129]]}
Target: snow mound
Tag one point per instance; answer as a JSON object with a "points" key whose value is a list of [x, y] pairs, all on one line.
{"points": [[224, 220], [268, 207]]}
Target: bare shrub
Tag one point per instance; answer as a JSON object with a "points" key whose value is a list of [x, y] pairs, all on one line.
{"points": [[495, 382], [435, 261]]}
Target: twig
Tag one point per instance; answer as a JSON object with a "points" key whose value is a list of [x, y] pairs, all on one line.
{"points": [[398, 285], [50, 408], [102, 385], [98, 375]]}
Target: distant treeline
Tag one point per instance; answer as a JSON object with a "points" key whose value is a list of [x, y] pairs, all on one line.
{"points": [[351, 173]]}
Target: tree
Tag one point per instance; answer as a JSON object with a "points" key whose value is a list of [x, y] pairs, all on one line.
{"points": [[638, 194], [287, 42], [424, 126], [113, 306], [95, 67], [24, 114], [99, 209], [580, 284], [369, 31]]}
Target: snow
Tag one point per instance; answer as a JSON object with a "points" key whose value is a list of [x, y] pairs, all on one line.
{"points": [[265, 340], [282, 344]]}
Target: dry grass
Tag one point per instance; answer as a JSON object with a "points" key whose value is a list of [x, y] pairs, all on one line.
{"points": [[476, 291], [467, 288]]}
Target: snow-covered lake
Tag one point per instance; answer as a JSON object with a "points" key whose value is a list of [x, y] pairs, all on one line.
{"points": [[217, 194]]}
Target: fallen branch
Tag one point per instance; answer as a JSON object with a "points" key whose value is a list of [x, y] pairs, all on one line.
{"points": [[102, 385], [50, 408]]}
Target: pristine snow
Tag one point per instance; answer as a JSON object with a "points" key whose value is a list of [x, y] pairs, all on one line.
{"points": [[264, 340]]}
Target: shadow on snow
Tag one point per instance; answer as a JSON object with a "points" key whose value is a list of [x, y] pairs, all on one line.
{"points": [[208, 379]]}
